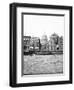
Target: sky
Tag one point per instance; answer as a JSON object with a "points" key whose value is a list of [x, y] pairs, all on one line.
{"points": [[38, 25]]}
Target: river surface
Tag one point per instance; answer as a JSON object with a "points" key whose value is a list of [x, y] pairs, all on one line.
{"points": [[43, 64]]}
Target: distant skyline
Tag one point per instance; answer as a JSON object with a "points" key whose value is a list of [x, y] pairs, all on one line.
{"points": [[35, 25]]}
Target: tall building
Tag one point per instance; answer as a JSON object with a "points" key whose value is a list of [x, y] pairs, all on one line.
{"points": [[53, 42], [52, 45], [44, 43], [44, 39], [60, 43], [26, 41], [35, 43]]}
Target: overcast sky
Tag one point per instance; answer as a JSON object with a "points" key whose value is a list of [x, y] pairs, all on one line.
{"points": [[36, 25]]}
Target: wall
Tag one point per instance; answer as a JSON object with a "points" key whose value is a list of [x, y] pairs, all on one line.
{"points": [[4, 44]]}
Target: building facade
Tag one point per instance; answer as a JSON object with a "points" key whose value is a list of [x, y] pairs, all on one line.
{"points": [[55, 43], [26, 42], [34, 44], [60, 43], [44, 43]]}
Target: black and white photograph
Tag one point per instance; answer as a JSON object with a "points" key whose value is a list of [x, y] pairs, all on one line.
{"points": [[40, 44]]}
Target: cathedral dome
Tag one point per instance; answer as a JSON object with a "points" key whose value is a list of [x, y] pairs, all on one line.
{"points": [[54, 35], [44, 39]]}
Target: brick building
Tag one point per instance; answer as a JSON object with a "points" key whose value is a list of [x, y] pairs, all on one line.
{"points": [[26, 42], [35, 43]]}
